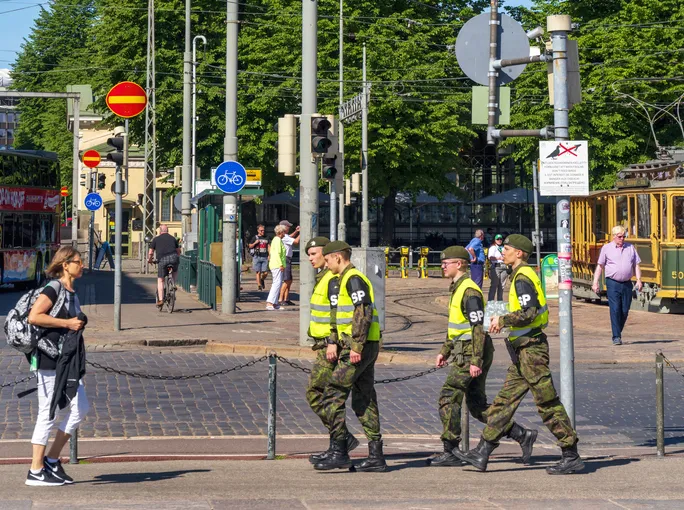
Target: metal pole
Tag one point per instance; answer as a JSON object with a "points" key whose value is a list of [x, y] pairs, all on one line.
{"points": [[91, 242], [308, 177], [660, 406], [187, 142], [333, 209], [75, 175], [118, 220], [465, 426], [535, 189], [272, 386], [492, 106], [73, 448], [341, 227], [230, 150], [559, 26], [194, 108], [365, 226]]}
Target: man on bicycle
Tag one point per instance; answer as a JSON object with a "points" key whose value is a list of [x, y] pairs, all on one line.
{"points": [[168, 253]]}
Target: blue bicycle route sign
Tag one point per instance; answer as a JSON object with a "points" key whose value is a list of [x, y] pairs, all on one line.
{"points": [[230, 176], [93, 201]]}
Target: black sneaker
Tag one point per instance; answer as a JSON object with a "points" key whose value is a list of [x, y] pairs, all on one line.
{"points": [[289, 303], [57, 470], [43, 479]]}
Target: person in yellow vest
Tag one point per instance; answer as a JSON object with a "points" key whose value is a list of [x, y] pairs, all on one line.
{"points": [[354, 326], [473, 355], [529, 371], [327, 287]]}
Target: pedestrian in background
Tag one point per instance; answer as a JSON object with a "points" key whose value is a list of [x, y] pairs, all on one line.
{"points": [[276, 263], [259, 245], [621, 262], [477, 257], [498, 274], [67, 267], [289, 241]]}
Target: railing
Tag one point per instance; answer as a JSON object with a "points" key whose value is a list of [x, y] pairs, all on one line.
{"points": [[208, 278], [187, 270]]}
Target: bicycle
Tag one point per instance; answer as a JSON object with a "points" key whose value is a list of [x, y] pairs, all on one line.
{"points": [[169, 300], [233, 178]]}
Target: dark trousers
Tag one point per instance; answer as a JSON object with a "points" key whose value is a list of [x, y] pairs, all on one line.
{"points": [[477, 273], [619, 300]]}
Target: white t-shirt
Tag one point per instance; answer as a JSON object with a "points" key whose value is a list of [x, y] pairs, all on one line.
{"points": [[288, 242], [495, 253]]}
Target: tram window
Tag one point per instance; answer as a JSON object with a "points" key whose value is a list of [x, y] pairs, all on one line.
{"points": [[663, 225], [26, 231], [644, 216], [8, 230], [621, 213], [678, 203], [599, 227], [632, 217]]}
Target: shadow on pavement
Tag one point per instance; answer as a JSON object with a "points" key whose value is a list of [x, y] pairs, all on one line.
{"points": [[142, 477], [196, 324], [649, 342]]}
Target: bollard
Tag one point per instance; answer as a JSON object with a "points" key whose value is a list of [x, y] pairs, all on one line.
{"points": [[465, 426], [404, 253], [423, 261], [272, 381], [660, 407], [387, 250], [73, 448]]}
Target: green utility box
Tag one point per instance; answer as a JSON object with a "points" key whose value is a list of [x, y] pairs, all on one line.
{"points": [[549, 276]]}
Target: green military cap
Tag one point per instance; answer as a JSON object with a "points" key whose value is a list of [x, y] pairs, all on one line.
{"points": [[335, 246], [316, 241], [519, 242], [455, 252]]}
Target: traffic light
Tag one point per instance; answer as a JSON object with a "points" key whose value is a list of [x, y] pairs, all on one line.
{"points": [[101, 180], [328, 168], [119, 142], [320, 143], [84, 180], [287, 145]]}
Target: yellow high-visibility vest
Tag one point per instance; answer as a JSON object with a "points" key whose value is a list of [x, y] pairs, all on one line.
{"points": [[319, 320], [345, 308], [542, 319], [459, 325]]}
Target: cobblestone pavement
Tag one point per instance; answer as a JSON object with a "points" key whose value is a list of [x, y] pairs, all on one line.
{"points": [[615, 403]]}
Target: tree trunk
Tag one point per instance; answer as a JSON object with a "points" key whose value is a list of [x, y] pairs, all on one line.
{"points": [[388, 217]]}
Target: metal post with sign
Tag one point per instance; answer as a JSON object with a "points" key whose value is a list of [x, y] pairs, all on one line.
{"points": [[91, 159]]}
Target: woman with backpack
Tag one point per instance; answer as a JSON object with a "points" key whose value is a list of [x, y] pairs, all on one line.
{"points": [[66, 266]]}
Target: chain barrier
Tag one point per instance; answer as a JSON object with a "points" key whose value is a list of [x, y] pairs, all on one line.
{"points": [[14, 383], [176, 377], [379, 381], [670, 364]]}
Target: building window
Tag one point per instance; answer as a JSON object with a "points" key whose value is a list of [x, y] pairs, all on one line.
{"points": [[165, 206], [10, 117]]}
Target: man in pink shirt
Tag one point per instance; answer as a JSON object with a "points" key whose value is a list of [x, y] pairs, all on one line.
{"points": [[621, 262]]}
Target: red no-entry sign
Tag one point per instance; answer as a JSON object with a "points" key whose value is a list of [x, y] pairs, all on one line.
{"points": [[91, 158], [64, 191], [126, 99]]}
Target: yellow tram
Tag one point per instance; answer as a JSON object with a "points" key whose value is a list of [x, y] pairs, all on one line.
{"points": [[648, 200]]}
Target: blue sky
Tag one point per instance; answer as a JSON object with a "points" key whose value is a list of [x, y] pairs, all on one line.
{"points": [[16, 25]]}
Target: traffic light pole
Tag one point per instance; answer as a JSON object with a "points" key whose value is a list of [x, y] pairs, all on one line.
{"points": [[91, 233], [340, 228], [559, 26], [118, 220], [230, 148], [365, 226], [308, 173], [76, 172]]}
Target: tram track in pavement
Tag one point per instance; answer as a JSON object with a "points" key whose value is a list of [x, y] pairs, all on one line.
{"points": [[400, 301]]}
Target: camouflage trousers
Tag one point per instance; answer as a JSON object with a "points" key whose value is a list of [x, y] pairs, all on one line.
{"points": [[460, 384], [530, 373], [359, 380], [321, 374]]}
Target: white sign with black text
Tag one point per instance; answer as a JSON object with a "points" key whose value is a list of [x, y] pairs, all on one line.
{"points": [[564, 168]]}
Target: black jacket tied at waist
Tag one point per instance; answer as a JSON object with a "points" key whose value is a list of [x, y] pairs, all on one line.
{"points": [[70, 369]]}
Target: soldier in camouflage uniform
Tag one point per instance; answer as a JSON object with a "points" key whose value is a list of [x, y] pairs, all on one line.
{"points": [[327, 286], [354, 326], [473, 354], [529, 351]]}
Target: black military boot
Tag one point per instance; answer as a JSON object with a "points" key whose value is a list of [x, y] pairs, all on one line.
{"points": [[352, 443], [338, 458], [524, 437], [447, 458], [375, 460], [478, 456], [570, 462], [317, 457]]}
